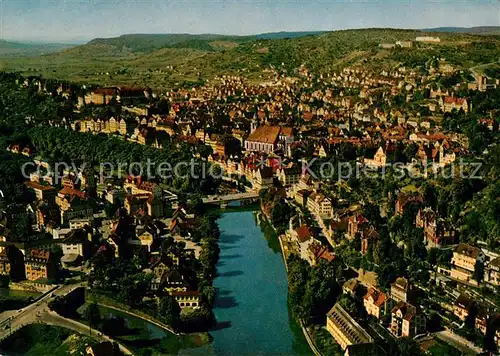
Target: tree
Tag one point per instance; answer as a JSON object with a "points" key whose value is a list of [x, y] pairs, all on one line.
{"points": [[297, 278], [432, 255], [111, 209], [169, 310], [281, 214], [208, 294], [4, 281], [405, 346], [312, 290], [133, 288], [349, 304], [372, 212], [195, 320]]}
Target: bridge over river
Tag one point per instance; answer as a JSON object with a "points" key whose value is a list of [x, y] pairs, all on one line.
{"points": [[224, 200]]}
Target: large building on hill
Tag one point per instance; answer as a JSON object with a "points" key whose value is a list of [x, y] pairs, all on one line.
{"points": [[450, 103], [104, 96]]}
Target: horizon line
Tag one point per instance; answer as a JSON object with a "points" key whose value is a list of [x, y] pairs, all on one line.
{"points": [[79, 41]]}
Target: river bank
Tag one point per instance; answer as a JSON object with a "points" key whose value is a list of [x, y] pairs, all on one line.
{"points": [[142, 336]]}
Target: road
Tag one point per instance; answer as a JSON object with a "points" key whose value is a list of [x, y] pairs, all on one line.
{"points": [[473, 69], [461, 343], [39, 312], [52, 318]]}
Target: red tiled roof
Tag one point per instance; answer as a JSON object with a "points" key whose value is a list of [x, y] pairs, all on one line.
{"points": [[303, 233], [35, 185], [358, 218], [379, 298], [105, 91], [407, 310], [265, 134], [323, 253], [454, 100], [189, 293], [286, 131], [73, 192], [467, 250], [40, 254]]}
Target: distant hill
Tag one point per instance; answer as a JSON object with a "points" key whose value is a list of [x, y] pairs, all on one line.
{"points": [[150, 42], [146, 43], [283, 35], [8, 48], [480, 30]]}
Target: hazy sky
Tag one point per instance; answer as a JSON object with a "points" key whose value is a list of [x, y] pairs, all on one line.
{"points": [[77, 20]]}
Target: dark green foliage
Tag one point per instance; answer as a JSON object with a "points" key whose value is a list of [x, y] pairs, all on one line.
{"points": [[35, 338], [280, 215], [197, 320], [59, 144], [169, 310], [4, 281], [404, 346], [312, 290], [208, 295], [92, 314], [123, 280], [150, 42]]}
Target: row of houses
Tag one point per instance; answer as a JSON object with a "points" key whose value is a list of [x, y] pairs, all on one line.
{"points": [[406, 320]]}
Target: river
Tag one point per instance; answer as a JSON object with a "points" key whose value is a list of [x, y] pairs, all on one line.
{"points": [[251, 303]]}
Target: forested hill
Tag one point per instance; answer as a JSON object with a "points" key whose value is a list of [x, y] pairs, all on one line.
{"points": [[149, 42], [146, 43], [479, 30]]}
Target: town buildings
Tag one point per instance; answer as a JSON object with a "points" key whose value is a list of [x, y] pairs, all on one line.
{"points": [[402, 290], [376, 303], [465, 263], [40, 265], [320, 205], [407, 320]]}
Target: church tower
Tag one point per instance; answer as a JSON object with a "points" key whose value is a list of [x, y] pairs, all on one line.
{"points": [[254, 124]]}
